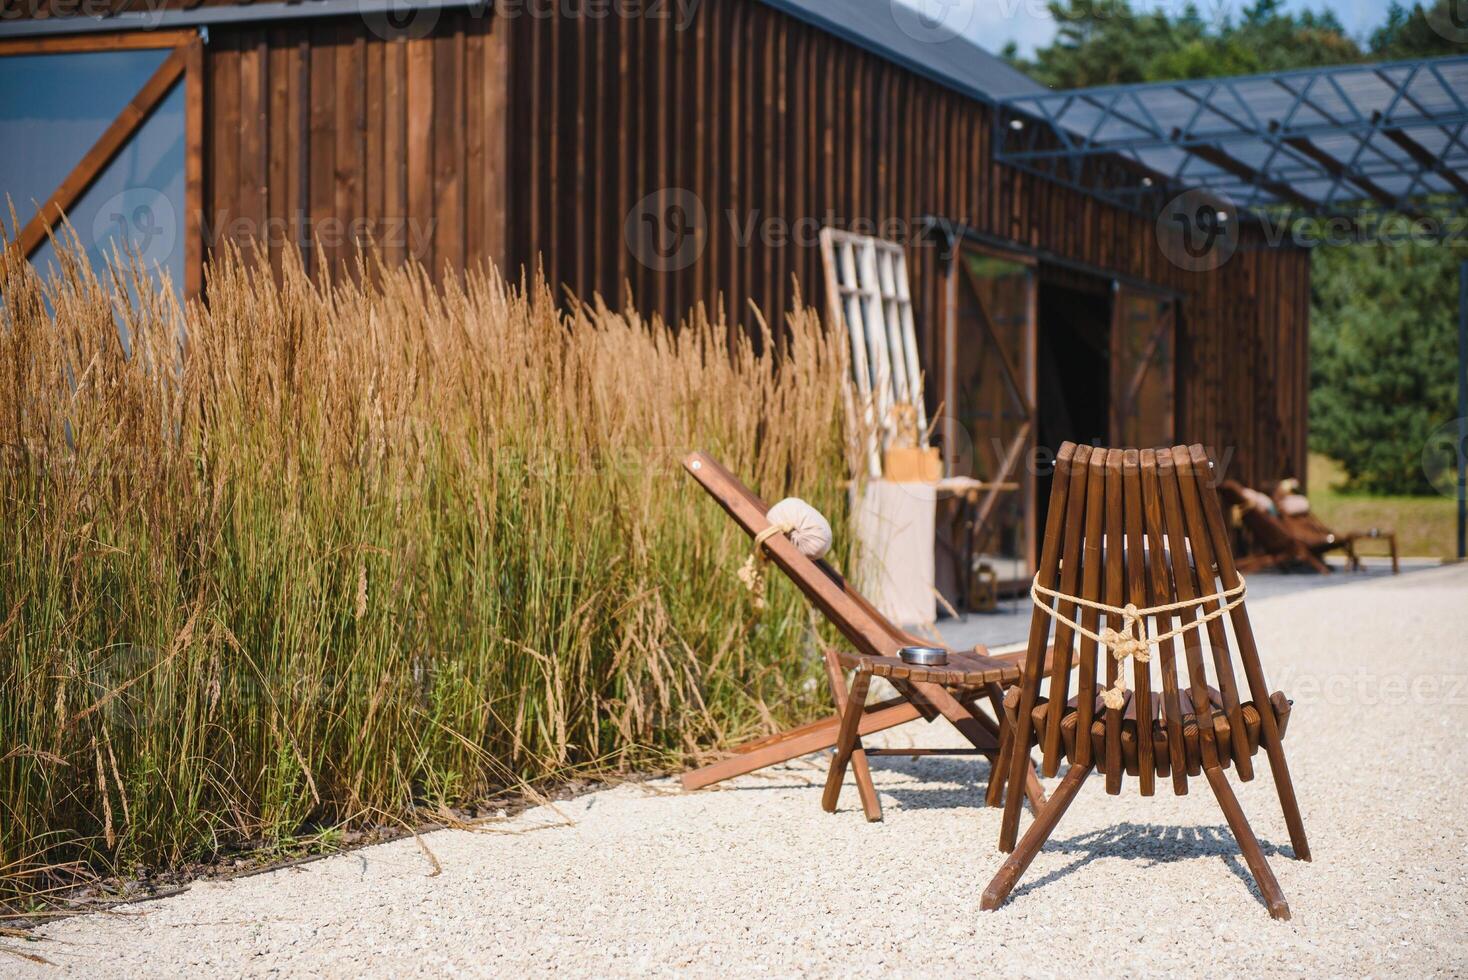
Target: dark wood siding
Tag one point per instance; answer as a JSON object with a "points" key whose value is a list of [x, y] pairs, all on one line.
{"points": [[324, 134], [775, 128], [530, 139]]}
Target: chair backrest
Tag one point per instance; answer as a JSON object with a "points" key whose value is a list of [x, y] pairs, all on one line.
{"points": [[858, 620], [1266, 531], [1145, 528]]}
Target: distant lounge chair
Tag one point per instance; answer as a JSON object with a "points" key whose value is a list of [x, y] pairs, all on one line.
{"points": [[1283, 539], [1134, 542], [955, 691]]}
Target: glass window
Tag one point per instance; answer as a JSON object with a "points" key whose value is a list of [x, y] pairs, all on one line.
{"points": [[53, 108]]}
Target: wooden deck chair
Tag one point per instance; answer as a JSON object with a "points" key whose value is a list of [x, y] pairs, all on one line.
{"points": [[955, 692], [1302, 538], [1144, 530], [1272, 542]]}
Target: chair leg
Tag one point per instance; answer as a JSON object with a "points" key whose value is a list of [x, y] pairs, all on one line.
{"points": [[974, 727], [1284, 787], [870, 804], [1019, 765], [846, 739], [1034, 791], [1315, 561], [1046, 819], [1274, 898], [994, 796]]}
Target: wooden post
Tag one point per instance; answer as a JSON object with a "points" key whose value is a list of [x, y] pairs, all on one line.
{"points": [[1462, 447]]}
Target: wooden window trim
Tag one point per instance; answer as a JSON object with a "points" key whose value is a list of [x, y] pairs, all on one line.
{"points": [[82, 43]]}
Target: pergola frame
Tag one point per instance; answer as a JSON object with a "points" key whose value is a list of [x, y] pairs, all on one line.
{"points": [[1351, 142], [1347, 140]]}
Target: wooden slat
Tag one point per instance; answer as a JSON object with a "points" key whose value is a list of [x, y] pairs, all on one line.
{"points": [[1034, 666], [321, 175], [476, 136], [1069, 577], [1217, 637], [420, 149], [279, 135], [350, 149], [1254, 671], [797, 742], [1091, 588], [121, 41], [403, 223], [194, 150], [1114, 596], [448, 149], [1136, 593], [252, 167], [374, 167], [1187, 589], [223, 93]]}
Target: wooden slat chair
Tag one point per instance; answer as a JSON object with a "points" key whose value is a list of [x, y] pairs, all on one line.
{"points": [[1143, 529], [954, 692]]}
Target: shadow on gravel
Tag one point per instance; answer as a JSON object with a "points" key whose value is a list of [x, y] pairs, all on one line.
{"points": [[1152, 843]]}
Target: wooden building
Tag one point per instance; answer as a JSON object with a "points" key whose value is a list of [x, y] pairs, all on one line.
{"points": [[690, 152]]}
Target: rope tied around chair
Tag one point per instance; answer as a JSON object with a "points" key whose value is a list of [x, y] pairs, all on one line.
{"points": [[752, 572], [1124, 644]]}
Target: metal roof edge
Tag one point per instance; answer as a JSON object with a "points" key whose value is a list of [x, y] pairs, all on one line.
{"points": [[840, 31], [222, 15]]}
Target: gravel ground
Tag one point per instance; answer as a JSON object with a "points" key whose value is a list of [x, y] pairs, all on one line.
{"points": [[754, 878]]}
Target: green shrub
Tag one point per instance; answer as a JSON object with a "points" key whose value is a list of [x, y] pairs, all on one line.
{"points": [[1383, 351]]}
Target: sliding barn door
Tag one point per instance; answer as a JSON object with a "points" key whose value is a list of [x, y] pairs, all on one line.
{"points": [[990, 401], [1143, 355]]}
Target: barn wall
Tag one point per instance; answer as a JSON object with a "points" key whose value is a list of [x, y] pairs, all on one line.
{"points": [[757, 115], [325, 134], [532, 139]]}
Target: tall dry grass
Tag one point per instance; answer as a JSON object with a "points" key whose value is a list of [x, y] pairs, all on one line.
{"points": [[357, 547]]}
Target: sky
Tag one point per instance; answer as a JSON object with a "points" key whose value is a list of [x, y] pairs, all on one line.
{"points": [[994, 23]]}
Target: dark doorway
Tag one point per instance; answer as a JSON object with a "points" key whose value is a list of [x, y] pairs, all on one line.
{"points": [[1073, 367]]}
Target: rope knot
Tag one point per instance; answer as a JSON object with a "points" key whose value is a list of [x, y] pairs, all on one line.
{"points": [[1123, 644], [752, 572]]}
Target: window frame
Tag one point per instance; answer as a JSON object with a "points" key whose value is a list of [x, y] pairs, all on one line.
{"points": [[184, 66]]}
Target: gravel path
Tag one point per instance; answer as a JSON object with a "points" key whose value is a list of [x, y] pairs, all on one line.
{"points": [[754, 878]]}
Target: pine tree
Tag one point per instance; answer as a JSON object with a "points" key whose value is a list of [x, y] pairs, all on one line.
{"points": [[1383, 353]]}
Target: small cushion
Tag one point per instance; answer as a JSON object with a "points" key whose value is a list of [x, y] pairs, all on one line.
{"points": [[810, 531], [1294, 505], [1258, 501]]}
